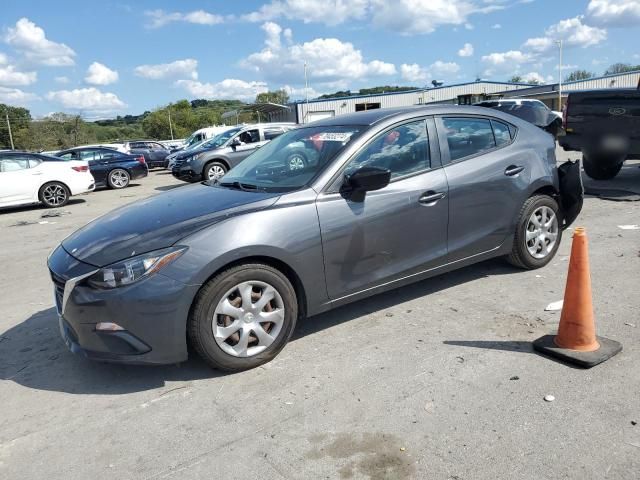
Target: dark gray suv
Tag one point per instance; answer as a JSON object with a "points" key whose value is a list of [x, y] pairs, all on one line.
{"points": [[225, 151], [382, 198]]}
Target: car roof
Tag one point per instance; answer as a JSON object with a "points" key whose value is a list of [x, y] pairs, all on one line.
{"points": [[371, 117]]}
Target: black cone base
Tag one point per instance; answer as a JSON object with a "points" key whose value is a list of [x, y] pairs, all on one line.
{"points": [[608, 348]]}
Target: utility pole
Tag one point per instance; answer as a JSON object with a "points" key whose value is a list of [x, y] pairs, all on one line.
{"points": [[306, 92], [6, 114], [559, 42], [170, 124], [75, 132]]}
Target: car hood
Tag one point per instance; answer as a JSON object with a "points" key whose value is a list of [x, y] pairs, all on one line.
{"points": [[160, 221]]}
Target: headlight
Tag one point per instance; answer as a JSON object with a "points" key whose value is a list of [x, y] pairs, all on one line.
{"points": [[133, 269]]}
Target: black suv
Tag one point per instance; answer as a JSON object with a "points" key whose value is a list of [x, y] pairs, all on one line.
{"points": [[605, 126]]}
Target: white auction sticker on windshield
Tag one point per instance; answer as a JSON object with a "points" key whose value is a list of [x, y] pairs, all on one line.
{"points": [[333, 136]]}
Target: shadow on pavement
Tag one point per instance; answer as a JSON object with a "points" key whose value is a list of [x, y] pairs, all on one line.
{"points": [[625, 187], [407, 293], [33, 354], [507, 346]]}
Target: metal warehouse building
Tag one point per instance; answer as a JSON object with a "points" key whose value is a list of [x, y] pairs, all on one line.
{"points": [[549, 93], [463, 93]]}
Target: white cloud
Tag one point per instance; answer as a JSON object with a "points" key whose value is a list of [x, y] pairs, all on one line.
{"points": [[62, 80], [444, 68], [89, 99], [496, 26], [328, 60], [3, 59], [30, 40], [466, 50], [329, 12], [571, 31], [410, 17], [160, 18], [413, 72], [533, 77], [99, 74], [14, 96], [187, 68], [510, 57], [301, 92], [226, 89], [10, 76], [614, 13]]}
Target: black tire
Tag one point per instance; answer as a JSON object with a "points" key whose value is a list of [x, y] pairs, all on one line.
{"points": [[118, 178], [54, 195], [209, 167], [520, 256], [601, 168], [200, 327], [297, 161]]}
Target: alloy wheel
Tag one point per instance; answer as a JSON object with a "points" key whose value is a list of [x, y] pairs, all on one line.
{"points": [[248, 319], [119, 179], [215, 172], [54, 195], [541, 232]]}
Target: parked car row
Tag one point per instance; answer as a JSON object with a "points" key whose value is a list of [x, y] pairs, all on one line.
{"points": [[31, 178]]}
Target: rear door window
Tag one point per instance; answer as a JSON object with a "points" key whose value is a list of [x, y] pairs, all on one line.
{"points": [[501, 133], [467, 136]]}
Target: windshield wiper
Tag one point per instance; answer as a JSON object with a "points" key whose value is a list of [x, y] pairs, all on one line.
{"points": [[245, 187]]}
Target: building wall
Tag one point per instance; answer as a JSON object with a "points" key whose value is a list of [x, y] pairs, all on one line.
{"points": [[449, 94]]}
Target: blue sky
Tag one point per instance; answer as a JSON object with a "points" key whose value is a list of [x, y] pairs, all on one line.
{"points": [[106, 58]]}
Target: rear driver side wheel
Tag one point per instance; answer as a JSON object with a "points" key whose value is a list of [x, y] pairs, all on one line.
{"points": [[538, 233]]}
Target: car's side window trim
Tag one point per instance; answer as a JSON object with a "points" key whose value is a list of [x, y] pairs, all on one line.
{"points": [[333, 185], [444, 144]]}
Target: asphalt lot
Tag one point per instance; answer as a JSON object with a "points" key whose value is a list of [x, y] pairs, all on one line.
{"points": [[434, 381]]}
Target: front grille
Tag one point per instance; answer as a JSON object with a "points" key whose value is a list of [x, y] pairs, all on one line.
{"points": [[178, 163], [58, 288]]}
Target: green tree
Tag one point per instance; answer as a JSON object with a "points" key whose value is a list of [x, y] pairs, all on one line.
{"points": [[579, 75], [19, 118], [621, 68], [281, 97], [515, 79]]}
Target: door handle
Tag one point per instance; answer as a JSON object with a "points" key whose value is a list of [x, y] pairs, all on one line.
{"points": [[513, 170], [430, 198]]}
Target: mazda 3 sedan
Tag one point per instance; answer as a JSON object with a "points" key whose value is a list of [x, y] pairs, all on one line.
{"points": [[381, 198]]}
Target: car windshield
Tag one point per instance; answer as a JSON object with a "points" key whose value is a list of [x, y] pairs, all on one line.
{"points": [[538, 114], [220, 139], [292, 160]]}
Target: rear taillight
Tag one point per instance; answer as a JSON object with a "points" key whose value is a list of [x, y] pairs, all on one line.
{"points": [[82, 168], [564, 114], [140, 159]]}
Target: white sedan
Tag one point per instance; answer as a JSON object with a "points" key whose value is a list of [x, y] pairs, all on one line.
{"points": [[27, 178]]}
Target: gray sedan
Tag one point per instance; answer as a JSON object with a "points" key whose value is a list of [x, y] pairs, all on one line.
{"points": [[376, 200]]}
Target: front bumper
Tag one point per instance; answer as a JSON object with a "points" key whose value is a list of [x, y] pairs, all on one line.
{"points": [[186, 174], [153, 313]]}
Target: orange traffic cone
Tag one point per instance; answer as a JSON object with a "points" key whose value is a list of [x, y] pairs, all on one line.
{"points": [[576, 341]]}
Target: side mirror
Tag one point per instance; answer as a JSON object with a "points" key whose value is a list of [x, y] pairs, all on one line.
{"points": [[235, 143], [363, 180]]}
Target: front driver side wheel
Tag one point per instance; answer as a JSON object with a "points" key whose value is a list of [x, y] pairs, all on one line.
{"points": [[243, 317], [538, 233]]}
